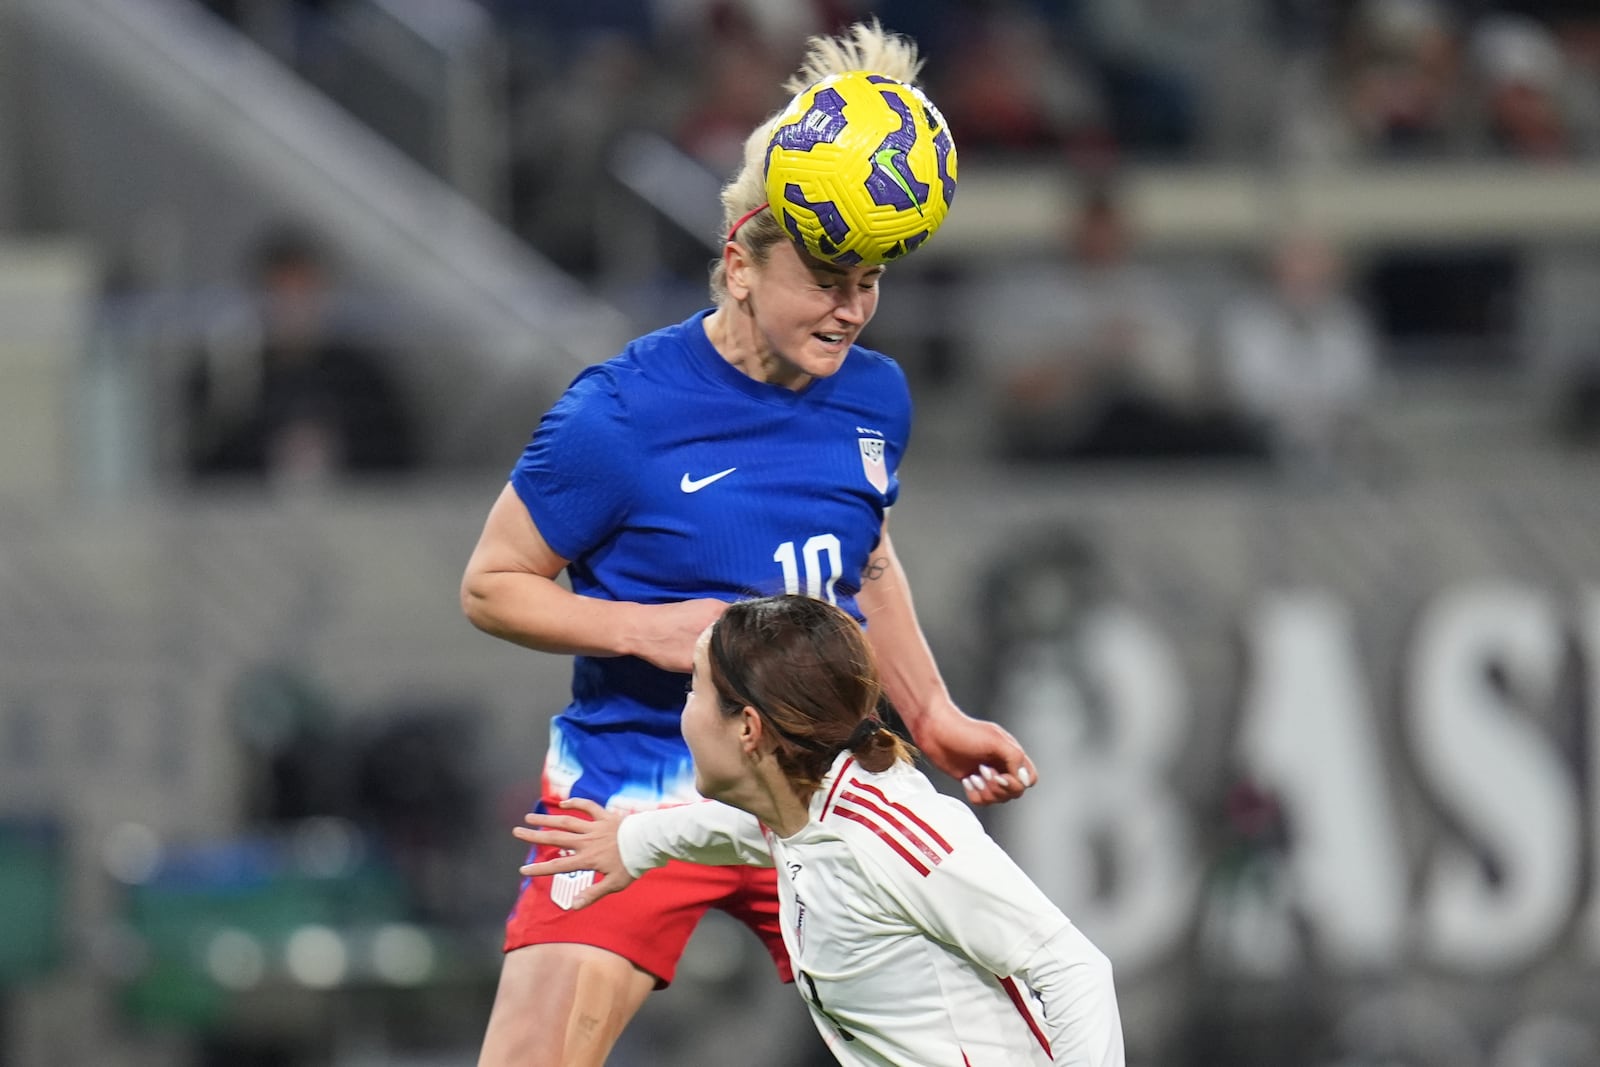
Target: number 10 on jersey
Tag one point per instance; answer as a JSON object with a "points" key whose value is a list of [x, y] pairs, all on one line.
{"points": [[820, 554]]}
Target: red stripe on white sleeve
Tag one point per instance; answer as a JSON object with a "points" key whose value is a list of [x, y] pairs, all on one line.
{"points": [[844, 769], [910, 835], [1021, 1004], [908, 813], [888, 839]]}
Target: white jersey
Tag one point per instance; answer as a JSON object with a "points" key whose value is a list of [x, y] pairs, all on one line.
{"points": [[915, 939]]}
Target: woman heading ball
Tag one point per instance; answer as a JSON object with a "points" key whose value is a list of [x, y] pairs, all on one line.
{"points": [[752, 448]]}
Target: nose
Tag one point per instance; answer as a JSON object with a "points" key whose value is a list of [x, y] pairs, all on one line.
{"points": [[851, 307]]}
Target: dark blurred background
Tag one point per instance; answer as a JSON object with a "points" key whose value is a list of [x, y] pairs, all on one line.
{"points": [[1254, 486]]}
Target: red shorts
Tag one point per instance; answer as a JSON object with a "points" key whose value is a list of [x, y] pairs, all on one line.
{"points": [[650, 922]]}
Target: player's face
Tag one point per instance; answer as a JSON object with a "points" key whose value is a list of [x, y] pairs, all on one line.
{"points": [[713, 738], [808, 313]]}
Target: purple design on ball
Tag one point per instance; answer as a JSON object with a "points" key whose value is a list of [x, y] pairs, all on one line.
{"points": [[834, 228], [916, 239], [891, 183], [942, 147], [822, 123]]}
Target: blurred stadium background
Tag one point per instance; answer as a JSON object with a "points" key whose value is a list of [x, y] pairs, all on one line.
{"points": [[1255, 487]]}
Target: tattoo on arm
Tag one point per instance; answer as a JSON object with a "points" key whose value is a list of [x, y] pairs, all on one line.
{"points": [[875, 568]]}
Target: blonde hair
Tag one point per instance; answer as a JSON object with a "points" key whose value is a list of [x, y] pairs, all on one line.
{"points": [[864, 46]]}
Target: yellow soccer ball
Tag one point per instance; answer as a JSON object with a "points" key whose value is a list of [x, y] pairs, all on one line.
{"points": [[861, 169]]}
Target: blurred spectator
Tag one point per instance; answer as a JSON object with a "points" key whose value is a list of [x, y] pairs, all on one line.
{"points": [[1529, 99], [779, 25], [285, 397], [1403, 91], [569, 110], [735, 87], [1178, 75], [1251, 921], [570, 23], [1007, 89], [1580, 45], [731, 99], [1094, 356], [1298, 356], [1388, 86]]}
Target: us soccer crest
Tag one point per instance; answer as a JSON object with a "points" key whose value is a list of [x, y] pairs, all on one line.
{"points": [[565, 887], [873, 465]]}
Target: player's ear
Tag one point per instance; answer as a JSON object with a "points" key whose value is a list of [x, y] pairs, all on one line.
{"points": [[736, 267], [752, 729]]}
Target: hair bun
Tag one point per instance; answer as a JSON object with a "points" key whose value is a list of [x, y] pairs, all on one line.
{"points": [[864, 731]]}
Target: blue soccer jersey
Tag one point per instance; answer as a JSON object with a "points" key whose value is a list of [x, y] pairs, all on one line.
{"points": [[666, 474]]}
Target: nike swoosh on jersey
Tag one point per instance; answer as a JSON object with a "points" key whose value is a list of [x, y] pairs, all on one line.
{"points": [[694, 485]]}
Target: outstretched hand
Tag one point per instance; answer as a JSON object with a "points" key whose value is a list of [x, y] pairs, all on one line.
{"points": [[586, 844], [988, 762]]}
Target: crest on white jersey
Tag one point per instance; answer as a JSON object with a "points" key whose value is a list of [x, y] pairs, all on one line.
{"points": [[564, 888], [872, 463]]}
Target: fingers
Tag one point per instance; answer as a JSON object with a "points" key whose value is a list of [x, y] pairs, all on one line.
{"points": [[604, 887], [991, 786], [585, 805], [561, 839], [569, 823], [592, 813], [569, 833], [561, 864]]}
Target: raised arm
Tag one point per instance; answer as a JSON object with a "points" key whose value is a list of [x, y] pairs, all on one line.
{"points": [[510, 590], [959, 745]]}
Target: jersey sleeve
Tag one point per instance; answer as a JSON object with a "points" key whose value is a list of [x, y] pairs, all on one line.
{"points": [[574, 476], [710, 832], [1078, 1000], [899, 432], [976, 899]]}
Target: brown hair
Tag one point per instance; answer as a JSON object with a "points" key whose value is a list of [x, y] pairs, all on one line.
{"points": [[864, 46], [806, 668]]}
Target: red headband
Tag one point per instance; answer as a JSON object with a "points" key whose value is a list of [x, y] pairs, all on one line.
{"points": [[746, 217]]}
